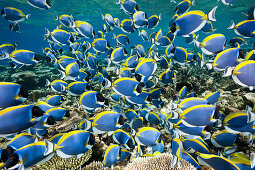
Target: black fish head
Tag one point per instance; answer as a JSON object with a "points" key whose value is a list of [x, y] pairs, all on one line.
{"points": [[23, 92], [50, 121], [138, 77], [37, 112], [121, 120], [67, 113], [2, 12], [12, 161], [173, 28], [100, 97], [91, 139]]}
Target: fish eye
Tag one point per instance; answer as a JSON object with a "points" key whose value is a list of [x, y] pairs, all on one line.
{"points": [[50, 121], [67, 113], [37, 112], [23, 92]]}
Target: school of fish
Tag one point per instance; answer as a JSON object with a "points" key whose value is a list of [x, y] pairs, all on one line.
{"points": [[124, 81]]}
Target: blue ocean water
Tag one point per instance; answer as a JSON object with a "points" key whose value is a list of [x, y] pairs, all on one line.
{"points": [[32, 30]]}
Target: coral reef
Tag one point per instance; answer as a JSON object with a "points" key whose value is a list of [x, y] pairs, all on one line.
{"points": [[162, 162]]}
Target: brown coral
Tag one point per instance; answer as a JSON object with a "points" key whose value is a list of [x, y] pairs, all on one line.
{"points": [[70, 163], [162, 162]]}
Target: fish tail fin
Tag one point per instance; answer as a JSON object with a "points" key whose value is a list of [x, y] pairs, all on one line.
{"points": [[211, 14], [118, 1], [5, 55], [232, 25], [15, 44], [62, 74], [159, 17], [27, 16], [113, 36], [228, 72], [102, 16], [47, 84], [252, 160], [209, 66], [49, 147], [139, 33], [56, 17], [47, 34], [197, 43]]}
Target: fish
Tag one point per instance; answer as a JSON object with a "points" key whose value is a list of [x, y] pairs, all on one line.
{"points": [[42, 4], [245, 28], [75, 143], [141, 99], [118, 55], [224, 59], [191, 22], [177, 147], [77, 88], [60, 36], [125, 72], [130, 114], [31, 154], [183, 92], [233, 42], [57, 85], [74, 47], [107, 121], [140, 19], [85, 29], [183, 6], [21, 140], [127, 26], [116, 22], [199, 115], [145, 69], [91, 100], [123, 138], [25, 117], [167, 77], [71, 71], [111, 155], [100, 45], [43, 105], [13, 94], [58, 113], [126, 86], [216, 162], [54, 100], [250, 55], [14, 15], [128, 6], [213, 98], [190, 102], [208, 28], [109, 19], [148, 136], [66, 20], [153, 21], [144, 35], [8, 48], [140, 50], [121, 39], [56, 47], [191, 38], [14, 26], [240, 74], [180, 55], [40, 129], [22, 57], [223, 139], [212, 44]]}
